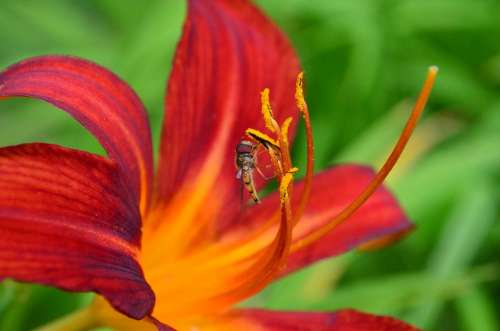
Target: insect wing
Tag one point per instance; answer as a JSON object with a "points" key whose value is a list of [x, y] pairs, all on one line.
{"points": [[238, 173]]}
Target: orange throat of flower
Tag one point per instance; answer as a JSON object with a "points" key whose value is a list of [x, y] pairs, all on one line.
{"points": [[213, 277]]}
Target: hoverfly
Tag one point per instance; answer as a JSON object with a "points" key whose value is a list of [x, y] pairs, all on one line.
{"points": [[246, 163]]}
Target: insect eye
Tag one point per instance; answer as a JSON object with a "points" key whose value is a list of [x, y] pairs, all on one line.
{"points": [[244, 148]]}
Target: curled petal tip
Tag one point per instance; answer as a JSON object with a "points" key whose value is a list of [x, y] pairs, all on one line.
{"points": [[99, 100]]}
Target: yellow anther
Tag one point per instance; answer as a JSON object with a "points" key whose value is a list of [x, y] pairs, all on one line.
{"points": [[267, 111], [284, 184], [284, 129], [263, 139], [299, 93], [293, 170]]}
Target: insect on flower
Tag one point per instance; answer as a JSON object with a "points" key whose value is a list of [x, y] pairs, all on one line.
{"points": [[247, 162]]}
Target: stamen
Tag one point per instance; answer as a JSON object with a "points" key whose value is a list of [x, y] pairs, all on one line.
{"points": [[272, 257], [265, 140], [284, 129], [304, 110], [262, 138], [299, 93], [267, 111], [270, 260], [383, 172], [284, 185]]}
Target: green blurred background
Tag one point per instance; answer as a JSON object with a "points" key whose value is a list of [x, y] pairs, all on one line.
{"points": [[365, 61]]}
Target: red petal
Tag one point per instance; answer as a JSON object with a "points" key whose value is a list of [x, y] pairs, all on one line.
{"points": [[379, 218], [98, 99], [228, 54], [68, 219], [344, 320]]}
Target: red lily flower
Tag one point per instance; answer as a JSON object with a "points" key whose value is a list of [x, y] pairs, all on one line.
{"points": [[73, 220]]}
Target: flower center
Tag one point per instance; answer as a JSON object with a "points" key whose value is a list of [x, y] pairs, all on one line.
{"points": [[216, 276]]}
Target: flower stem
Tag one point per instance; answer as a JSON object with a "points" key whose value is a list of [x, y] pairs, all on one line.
{"points": [[81, 320]]}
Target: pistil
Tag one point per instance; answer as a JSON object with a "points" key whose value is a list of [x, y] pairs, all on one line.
{"points": [[383, 172]]}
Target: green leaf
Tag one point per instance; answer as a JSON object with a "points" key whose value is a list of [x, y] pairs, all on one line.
{"points": [[477, 312], [459, 243]]}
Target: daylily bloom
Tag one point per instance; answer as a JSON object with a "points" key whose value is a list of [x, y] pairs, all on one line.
{"points": [[175, 247]]}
